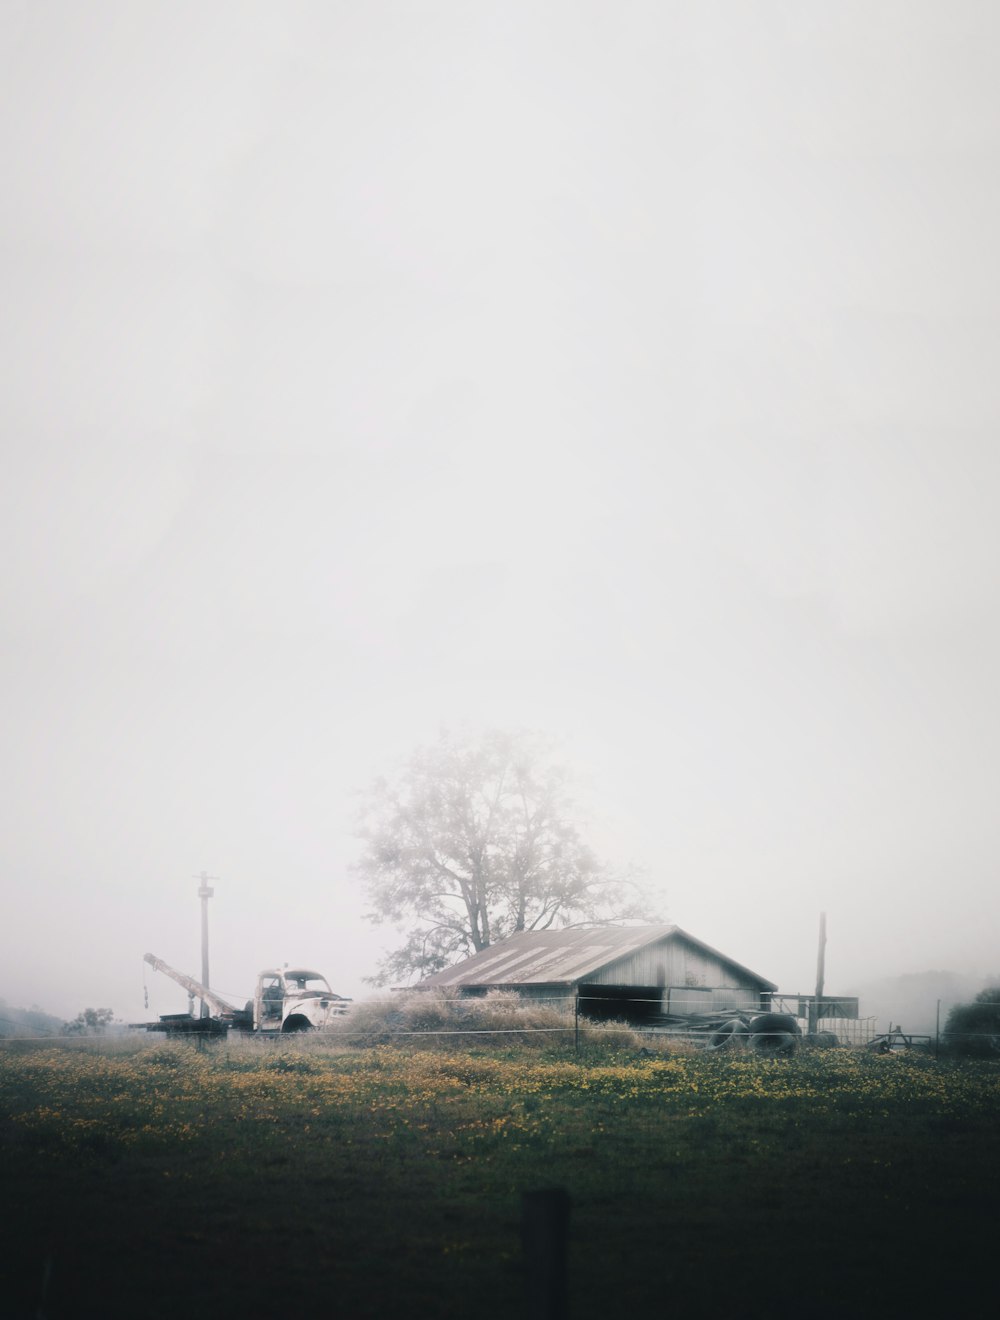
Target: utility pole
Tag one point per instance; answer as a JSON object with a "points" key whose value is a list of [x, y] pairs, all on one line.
{"points": [[820, 972], [204, 893]]}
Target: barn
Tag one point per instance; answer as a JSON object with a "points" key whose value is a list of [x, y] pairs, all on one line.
{"points": [[633, 973]]}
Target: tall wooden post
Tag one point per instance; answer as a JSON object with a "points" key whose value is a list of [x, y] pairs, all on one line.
{"points": [[937, 1032], [204, 893], [820, 972]]}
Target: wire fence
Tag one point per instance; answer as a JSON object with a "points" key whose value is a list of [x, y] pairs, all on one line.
{"points": [[983, 1045], [573, 1017]]}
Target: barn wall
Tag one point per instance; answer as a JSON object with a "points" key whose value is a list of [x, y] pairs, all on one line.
{"points": [[692, 980], [691, 999], [669, 962], [550, 994]]}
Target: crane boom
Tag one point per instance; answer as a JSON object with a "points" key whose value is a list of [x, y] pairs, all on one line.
{"points": [[192, 986]]}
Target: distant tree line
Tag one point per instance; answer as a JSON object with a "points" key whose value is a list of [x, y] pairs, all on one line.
{"points": [[27, 1021]]}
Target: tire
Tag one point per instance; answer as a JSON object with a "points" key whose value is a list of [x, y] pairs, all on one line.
{"points": [[770, 1022], [823, 1040], [296, 1023], [774, 1035], [774, 1044], [731, 1035]]}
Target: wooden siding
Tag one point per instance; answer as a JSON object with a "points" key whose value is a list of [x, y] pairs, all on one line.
{"points": [[715, 999], [690, 980], [673, 962]]}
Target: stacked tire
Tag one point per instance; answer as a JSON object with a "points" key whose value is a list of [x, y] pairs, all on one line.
{"points": [[768, 1035], [774, 1035], [729, 1037]]}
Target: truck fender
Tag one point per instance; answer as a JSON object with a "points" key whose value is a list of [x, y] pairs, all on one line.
{"points": [[296, 1022]]}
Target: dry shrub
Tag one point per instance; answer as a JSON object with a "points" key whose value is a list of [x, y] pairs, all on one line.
{"points": [[368, 1022], [684, 1046], [442, 1017], [611, 1036]]}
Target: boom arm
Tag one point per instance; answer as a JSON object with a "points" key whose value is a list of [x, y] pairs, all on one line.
{"points": [[192, 986]]}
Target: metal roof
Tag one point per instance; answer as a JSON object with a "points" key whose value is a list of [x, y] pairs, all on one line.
{"points": [[564, 957]]}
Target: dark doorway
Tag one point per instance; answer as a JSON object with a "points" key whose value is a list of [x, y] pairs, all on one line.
{"points": [[636, 1004]]}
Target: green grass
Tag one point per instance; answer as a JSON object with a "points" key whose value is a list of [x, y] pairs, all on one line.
{"points": [[243, 1180]]}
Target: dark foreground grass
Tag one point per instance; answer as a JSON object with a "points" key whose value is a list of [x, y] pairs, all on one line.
{"points": [[159, 1181]]}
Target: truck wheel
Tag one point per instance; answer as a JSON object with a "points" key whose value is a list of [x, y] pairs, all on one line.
{"points": [[295, 1023]]}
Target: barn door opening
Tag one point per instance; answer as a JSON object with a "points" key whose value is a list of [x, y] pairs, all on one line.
{"points": [[635, 1004]]}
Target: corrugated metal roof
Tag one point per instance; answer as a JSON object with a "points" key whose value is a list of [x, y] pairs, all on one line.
{"points": [[563, 957]]}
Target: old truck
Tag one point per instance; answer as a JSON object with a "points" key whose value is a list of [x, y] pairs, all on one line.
{"points": [[286, 999]]}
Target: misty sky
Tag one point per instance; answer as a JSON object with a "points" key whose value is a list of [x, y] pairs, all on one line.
{"points": [[627, 371]]}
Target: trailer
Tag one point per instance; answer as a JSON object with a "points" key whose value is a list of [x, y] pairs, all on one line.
{"points": [[286, 1000]]}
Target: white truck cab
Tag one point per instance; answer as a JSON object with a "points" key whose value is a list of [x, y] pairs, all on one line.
{"points": [[295, 999]]}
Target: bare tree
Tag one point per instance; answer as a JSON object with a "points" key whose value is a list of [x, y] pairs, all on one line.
{"points": [[477, 838]]}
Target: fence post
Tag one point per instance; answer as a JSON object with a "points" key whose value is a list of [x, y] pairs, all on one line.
{"points": [[544, 1229], [576, 1021], [937, 1032]]}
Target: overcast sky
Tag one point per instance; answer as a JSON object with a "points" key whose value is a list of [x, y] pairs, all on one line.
{"points": [[627, 371]]}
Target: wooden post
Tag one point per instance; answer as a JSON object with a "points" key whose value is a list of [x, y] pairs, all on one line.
{"points": [[204, 893], [937, 1032], [576, 1020], [820, 969], [544, 1230]]}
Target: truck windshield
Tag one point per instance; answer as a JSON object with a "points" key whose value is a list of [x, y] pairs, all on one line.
{"points": [[299, 982]]}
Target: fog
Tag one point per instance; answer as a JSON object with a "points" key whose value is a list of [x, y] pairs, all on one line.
{"points": [[624, 371]]}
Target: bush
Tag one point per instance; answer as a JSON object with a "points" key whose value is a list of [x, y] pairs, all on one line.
{"points": [[91, 1022], [611, 1036], [973, 1030], [441, 1017]]}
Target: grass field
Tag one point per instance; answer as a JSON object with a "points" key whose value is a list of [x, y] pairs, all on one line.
{"points": [[155, 1180]]}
